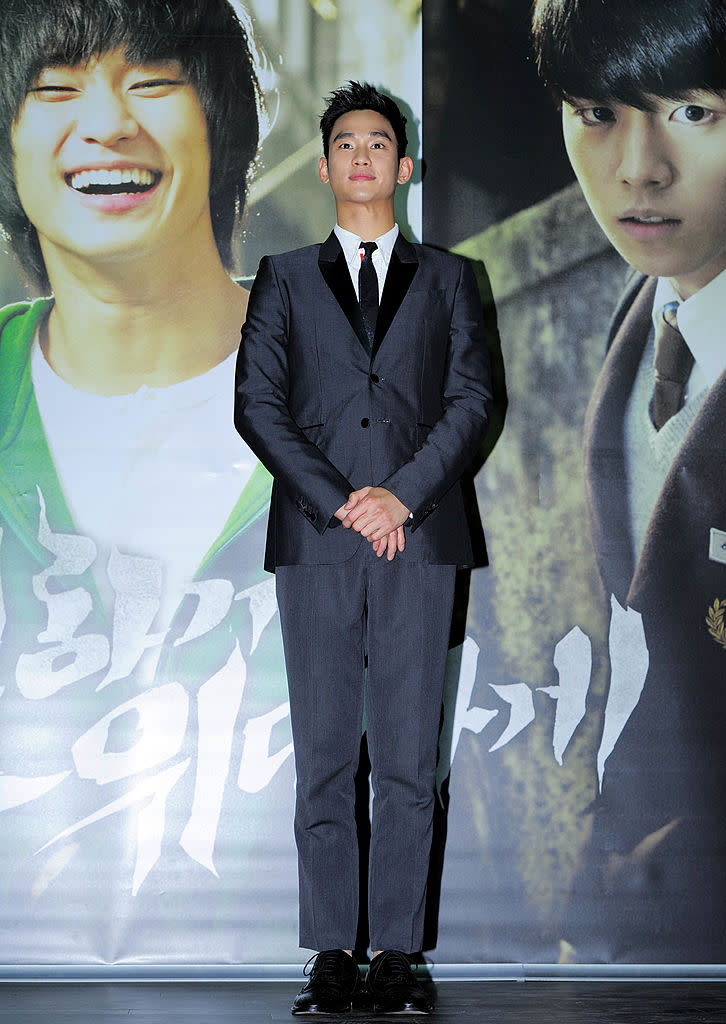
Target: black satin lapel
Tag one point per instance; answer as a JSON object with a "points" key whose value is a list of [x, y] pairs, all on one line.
{"points": [[398, 281], [337, 277]]}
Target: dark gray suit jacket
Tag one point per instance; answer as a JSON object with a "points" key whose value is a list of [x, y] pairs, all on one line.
{"points": [[327, 416]]}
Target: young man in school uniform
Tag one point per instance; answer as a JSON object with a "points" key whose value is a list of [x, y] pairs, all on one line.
{"points": [[643, 92], [363, 386]]}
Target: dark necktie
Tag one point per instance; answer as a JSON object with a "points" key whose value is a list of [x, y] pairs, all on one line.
{"points": [[368, 289], [673, 363]]}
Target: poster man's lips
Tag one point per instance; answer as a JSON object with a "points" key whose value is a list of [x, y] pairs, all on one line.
{"points": [[647, 217]]}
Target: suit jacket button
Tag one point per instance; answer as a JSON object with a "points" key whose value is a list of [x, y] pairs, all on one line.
{"points": [[375, 378], [365, 421]]}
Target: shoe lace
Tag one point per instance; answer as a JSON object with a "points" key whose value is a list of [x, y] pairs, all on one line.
{"points": [[397, 967], [325, 967]]}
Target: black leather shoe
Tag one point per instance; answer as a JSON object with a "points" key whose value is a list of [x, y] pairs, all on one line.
{"points": [[332, 982], [393, 986]]}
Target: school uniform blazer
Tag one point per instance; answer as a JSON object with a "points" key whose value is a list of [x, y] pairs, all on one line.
{"points": [[669, 764], [327, 414]]}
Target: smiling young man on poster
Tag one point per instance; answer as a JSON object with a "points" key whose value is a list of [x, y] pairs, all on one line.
{"points": [[126, 146], [131, 514], [643, 91], [363, 385]]}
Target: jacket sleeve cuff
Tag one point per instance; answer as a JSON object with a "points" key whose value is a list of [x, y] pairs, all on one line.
{"points": [[319, 516]]}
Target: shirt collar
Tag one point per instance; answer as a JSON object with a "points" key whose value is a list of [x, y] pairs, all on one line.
{"points": [[351, 244], [700, 321]]}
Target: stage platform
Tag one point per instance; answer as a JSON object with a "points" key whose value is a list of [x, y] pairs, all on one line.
{"points": [[459, 1002]]}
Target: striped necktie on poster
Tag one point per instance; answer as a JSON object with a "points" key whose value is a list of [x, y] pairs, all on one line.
{"points": [[673, 364]]}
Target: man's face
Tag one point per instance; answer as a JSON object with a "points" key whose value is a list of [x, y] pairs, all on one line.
{"points": [[112, 160], [656, 182], [363, 164]]}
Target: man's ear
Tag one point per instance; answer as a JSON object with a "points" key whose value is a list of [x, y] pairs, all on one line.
{"points": [[405, 169], [323, 170]]}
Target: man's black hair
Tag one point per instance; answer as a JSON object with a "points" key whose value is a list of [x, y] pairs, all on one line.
{"points": [[362, 96], [629, 50], [205, 36]]}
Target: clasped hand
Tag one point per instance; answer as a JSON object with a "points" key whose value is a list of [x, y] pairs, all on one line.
{"points": [[378, 515]]}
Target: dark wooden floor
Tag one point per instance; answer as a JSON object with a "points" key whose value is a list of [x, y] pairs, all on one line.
{"points": [[459, 1002]]}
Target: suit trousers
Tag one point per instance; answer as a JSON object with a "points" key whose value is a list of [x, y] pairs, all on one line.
{"points": [[398, 614]]}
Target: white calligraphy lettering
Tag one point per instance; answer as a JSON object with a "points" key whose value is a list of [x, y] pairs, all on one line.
{"points": [[137, 586], [151, 820], [573, 661], [628, 669], [258, 766], [215, 600], [16, 790], [218, 703], [162, 720], [519, 697], [263, 605], [38, 675], [458, 688]]}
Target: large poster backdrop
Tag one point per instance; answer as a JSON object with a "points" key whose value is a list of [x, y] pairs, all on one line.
{"points": [[591, 750], [146, 778]]}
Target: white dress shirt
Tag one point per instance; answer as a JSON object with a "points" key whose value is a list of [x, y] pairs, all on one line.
{"points": [[353, 253]]}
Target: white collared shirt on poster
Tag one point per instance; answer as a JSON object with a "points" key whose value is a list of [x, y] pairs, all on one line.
{"points": [[701, 322]]}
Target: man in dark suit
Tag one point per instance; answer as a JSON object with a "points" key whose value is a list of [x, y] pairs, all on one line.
{"points": [[366, 414], [643, 91]]}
